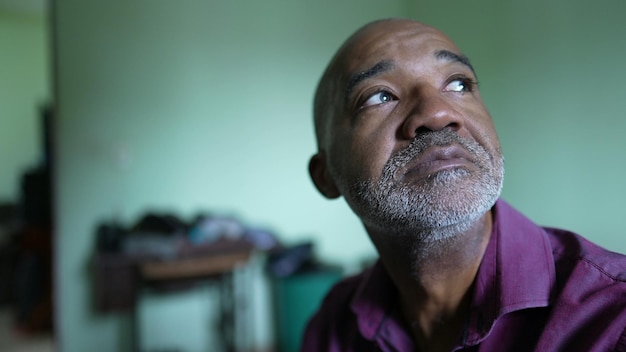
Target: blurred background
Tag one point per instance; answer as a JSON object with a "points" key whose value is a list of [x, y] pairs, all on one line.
{"points": [[113, 110]]}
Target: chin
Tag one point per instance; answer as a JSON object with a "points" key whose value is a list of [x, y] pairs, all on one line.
{"points": [[444, 204]]}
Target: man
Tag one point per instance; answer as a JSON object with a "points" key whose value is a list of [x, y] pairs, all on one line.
{"points": [[405, 138]]}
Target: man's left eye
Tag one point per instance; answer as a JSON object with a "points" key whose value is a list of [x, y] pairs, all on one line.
{"points": [[458, 85]]}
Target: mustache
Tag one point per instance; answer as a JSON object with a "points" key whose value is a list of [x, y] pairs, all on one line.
{"points": [[438, 138]]}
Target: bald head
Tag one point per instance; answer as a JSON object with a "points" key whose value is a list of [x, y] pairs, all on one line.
{"points": [[340, 74]]}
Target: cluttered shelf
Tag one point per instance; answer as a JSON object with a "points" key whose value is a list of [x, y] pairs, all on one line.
{"points": [[161, 252]]}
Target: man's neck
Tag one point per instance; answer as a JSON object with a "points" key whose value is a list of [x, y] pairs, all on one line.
{"points": [[434, 280]]}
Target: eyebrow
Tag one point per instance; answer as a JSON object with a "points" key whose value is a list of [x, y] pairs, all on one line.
{"points": [[454, 57], [380, 67], [386, 65]]}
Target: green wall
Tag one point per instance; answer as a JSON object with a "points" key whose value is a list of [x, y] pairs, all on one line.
{"points": [[191, 106], [205, 106], [552, 74], [24, 88]]}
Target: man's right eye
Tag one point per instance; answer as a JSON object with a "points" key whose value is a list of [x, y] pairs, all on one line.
{"points": [[378, 98]]}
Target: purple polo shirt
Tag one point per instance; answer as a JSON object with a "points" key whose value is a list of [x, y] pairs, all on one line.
{"points": [[537, 289]]}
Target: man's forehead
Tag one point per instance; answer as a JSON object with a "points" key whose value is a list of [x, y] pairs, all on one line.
{"points": [[382, 33], [375, 43]]}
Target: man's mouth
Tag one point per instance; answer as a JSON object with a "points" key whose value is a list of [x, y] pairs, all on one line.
{"points": [[439, 158]]}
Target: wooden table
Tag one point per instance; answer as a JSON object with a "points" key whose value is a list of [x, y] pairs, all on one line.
{"points": [[120, 278]]}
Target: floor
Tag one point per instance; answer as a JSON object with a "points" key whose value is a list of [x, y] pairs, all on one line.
{"points": [[12, 341]]}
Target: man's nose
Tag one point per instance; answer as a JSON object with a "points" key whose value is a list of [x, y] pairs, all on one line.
{"points": [[431, 111]]}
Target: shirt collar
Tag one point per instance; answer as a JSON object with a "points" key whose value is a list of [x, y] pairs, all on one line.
{"points": [[373, 299], [517, 272]]}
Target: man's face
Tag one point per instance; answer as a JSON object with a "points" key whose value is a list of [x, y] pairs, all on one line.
{"points": [[410, 144]]}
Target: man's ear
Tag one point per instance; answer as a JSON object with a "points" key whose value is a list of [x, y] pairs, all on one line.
{"points": [[320, 176]]}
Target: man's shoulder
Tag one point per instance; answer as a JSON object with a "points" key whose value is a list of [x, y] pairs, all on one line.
{"points": [[589, 295], [568, 249], [574, 252]]}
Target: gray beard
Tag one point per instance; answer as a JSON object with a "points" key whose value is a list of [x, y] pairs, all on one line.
{"points": [[436, 208]]}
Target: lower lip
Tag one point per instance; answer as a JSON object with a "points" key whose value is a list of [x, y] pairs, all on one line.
{"points": [[428, 168]]}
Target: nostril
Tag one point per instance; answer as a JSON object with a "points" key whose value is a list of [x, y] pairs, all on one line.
{"points": [[421, 130], [454, 126]]}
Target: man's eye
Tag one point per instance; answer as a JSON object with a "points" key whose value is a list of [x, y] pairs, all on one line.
{"points": [[459, 86], [378, 98]]}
